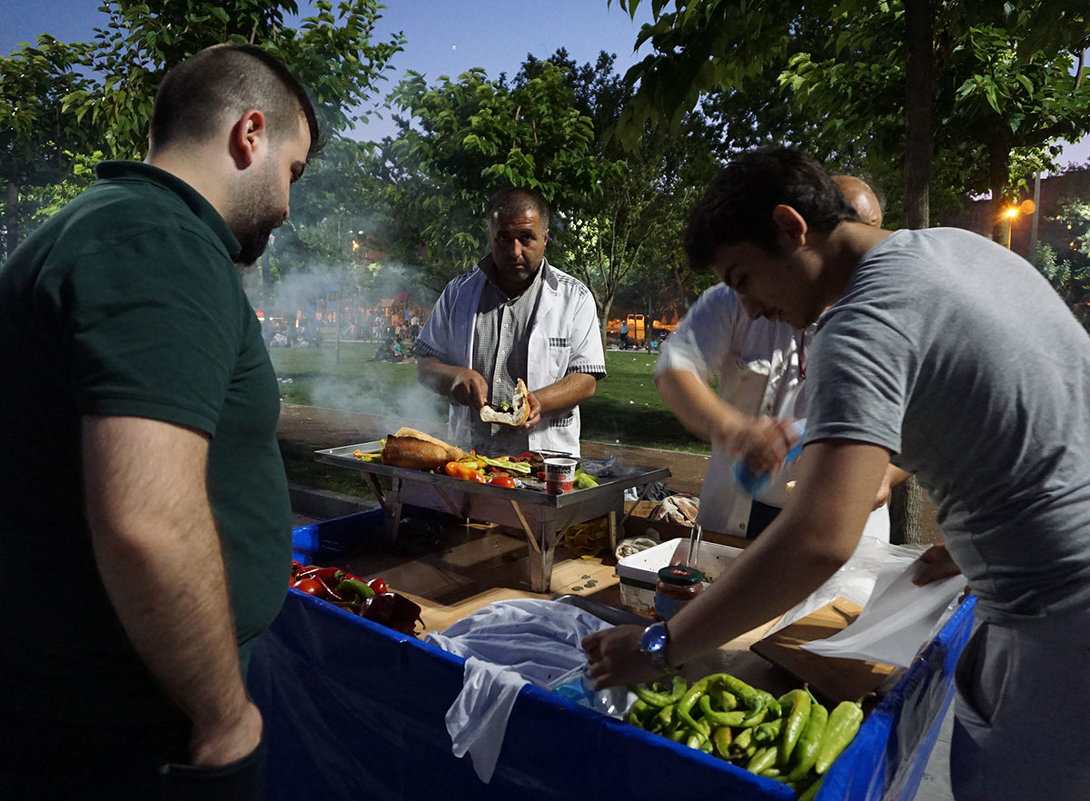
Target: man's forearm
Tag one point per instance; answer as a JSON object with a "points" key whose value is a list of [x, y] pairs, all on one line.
{"points": [[698, 408], [158, 552], [435, 375], [567, 393], [815, 533]]}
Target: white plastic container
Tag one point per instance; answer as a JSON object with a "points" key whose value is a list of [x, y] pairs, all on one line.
{"points": [[638, 573]]}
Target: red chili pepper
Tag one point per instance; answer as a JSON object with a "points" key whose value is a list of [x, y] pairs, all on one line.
{"points": [[310, 587], [502, 481], [329, 577], [378, 585]]}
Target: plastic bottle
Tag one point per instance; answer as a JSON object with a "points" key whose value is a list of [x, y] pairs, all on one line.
{"points": [[756, 483]]}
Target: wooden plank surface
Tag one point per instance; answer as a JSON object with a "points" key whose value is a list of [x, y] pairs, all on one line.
{"points": [[829, 678]]}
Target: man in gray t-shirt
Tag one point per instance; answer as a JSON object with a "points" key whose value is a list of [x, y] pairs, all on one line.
{"points": [[950, 357]]}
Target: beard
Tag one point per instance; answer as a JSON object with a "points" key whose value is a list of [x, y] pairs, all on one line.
{"points": [[254, 242], [254, 216]]}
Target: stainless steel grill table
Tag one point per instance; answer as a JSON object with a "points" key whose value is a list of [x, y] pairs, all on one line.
{"points": [[542, 517]]}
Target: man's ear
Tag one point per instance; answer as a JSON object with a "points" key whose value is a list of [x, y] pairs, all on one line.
{"points": [[248, 136], [790, 225]]}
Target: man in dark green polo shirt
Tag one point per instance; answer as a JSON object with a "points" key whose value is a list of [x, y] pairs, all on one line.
{"points": [[144, 517]]}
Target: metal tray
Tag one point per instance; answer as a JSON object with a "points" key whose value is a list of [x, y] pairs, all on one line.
{"points": [[608, 486], [541, 516]]}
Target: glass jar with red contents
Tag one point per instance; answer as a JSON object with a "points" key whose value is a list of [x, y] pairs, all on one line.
{"points": [[677, 585]]}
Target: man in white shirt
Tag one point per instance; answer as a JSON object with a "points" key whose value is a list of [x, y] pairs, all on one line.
{"points": [[761, 364], [514, 316]]}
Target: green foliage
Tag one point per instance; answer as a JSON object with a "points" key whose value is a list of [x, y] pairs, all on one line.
{"points": [[1043, 258], [615, 210], [1069, 270], [624, 239], [1075, 213], [1002, 81], [38, 137], [332, 53], [97, 97]]}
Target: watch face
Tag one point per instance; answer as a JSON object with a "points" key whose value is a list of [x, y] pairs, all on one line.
{"points": [[654, 638]]}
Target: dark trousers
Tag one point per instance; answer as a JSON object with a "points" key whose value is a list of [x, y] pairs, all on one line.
{"points": [[43, 763], [761, 516]]}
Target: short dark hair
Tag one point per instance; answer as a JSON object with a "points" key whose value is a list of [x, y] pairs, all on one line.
{"points": [[737, 205], [516, 199], [229, 79]]}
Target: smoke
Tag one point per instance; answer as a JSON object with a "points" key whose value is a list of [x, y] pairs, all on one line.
{"points": [[412, 404], [357, 383]]}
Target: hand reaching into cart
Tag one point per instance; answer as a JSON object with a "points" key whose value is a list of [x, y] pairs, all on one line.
{"points": [[614, 657]]}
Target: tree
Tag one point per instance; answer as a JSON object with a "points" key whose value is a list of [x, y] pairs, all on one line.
{"points": [[628, 230], [1069, 270], [993, 82], [547, 128], [97, 98], [332, 53], [39, 139], [974, 86]]}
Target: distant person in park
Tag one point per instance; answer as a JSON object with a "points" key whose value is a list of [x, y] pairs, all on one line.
{"points": [[761, 369], [146, 534], [624, 335], [513, 316], [385, 351], [953, 357]]}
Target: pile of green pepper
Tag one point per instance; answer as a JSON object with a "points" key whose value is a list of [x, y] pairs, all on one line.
{"points": [[792, 738]]}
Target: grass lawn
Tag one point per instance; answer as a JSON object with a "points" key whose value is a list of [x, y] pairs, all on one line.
{"points": [[626, 408]]}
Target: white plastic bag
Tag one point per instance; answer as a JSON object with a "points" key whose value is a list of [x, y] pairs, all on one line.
{"points": [[898, 619], [855, 580]]}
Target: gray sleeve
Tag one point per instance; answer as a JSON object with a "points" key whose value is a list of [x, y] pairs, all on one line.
{"points": [[860, 372]]}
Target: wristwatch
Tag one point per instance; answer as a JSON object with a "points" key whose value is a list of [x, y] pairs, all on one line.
{"points": [[653, 642]]}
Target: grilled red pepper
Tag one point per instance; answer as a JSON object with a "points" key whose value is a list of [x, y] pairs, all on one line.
{"points": [[459, 470]]}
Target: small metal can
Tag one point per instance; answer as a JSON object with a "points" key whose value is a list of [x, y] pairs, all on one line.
{"points": [[677, 585]]}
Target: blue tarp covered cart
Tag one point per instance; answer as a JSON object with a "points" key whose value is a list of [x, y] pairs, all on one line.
{"points": [[355, 710]]}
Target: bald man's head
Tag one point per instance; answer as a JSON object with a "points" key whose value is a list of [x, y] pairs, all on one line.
{"points": [[862, 198]]}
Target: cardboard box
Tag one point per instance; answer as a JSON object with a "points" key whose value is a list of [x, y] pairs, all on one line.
{"points": [[638, 573]]}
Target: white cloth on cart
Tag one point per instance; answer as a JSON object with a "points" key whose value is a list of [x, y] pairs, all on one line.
{"points": [[506, 645]]}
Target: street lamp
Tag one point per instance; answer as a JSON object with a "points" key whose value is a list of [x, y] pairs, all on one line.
{"points": [[1010, 214]]}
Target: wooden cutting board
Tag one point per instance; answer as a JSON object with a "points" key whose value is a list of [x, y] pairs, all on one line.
{"points": [[830, 678]]}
